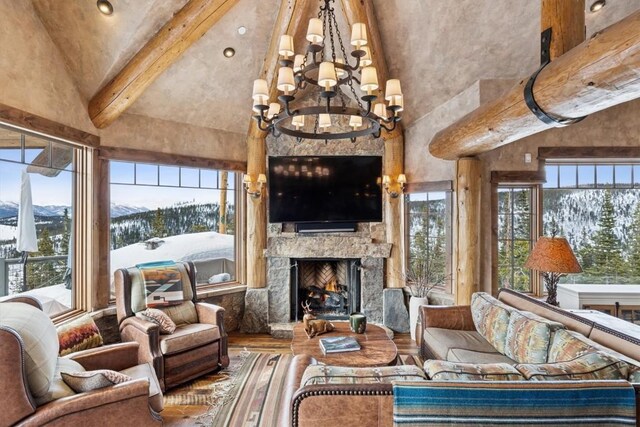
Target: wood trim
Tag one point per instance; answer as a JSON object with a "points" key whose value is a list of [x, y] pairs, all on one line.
{"points": [[32, 123], [144, 156], [423, 187], [185, 28], [101, 243], [589, 152], [525, 177]]}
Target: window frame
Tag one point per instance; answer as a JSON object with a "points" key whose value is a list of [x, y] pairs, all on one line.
{"points": [[150, 159], [432, 187]]}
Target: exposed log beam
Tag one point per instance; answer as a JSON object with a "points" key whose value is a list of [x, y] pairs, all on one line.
{"points": [[362, 11], [177, 35], [599, 73]]}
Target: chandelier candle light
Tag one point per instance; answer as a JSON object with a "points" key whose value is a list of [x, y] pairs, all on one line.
{"points": [[339, 112]]}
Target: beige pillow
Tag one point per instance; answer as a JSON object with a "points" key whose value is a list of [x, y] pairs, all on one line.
{"points": [[82, 382], [159, 318], [40, 343]]}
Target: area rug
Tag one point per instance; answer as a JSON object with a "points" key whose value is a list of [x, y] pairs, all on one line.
{"points": [[247, 393]]}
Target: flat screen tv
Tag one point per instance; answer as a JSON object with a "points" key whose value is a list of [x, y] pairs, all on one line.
{"points": [[325, 189]]}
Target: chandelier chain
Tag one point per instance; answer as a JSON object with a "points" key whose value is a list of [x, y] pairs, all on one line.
{"points": [[344, 52]]}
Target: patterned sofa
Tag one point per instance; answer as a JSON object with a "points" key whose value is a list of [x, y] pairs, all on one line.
{"points": [[513, 346]]}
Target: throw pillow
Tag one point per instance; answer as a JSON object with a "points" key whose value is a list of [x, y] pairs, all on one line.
{"points": [[589, 366], [79, 334], [159, 318], [528, 337], [82, 382], [491, 319]]}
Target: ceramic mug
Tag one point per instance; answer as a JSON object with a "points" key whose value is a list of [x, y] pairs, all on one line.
{"points": [[358, 323]]}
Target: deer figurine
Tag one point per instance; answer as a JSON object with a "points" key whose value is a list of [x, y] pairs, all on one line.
{"points": [[312, 325]]}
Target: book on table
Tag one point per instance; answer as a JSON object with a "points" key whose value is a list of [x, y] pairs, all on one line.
{"points": [[338, 344]]}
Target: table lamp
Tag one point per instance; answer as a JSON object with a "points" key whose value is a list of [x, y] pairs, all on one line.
{"points": [[553, 257]]}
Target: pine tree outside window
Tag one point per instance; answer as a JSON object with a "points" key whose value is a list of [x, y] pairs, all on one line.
{"points": [[516, 234], [428, 225], [164, 212], [52, 174], [596, 206]]}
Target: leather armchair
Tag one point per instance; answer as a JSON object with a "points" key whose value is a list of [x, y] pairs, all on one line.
{"points": [[128, 403], [198, 346]]}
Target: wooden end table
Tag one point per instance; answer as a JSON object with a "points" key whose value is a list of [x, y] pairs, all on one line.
{"points": [[377, 349]]}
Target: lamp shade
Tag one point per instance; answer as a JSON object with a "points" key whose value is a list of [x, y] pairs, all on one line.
{"points": [[393, 89], [327, 75], [274, 109], [358, 35], [553, 255], [260, 89], [297, 63], [380, 110], [324, 121], [314, 31], [402, 179], [339, 71], [369, 80], [366, 60], [355, 122], [286, 82], [298, 121], [285, 48]]}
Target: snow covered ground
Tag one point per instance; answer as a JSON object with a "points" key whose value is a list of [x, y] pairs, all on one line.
{"points": [[7, 232], [186, 247], [54, 299]]}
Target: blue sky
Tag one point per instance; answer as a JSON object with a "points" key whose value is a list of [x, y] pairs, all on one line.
{"points": [[45, 190]]}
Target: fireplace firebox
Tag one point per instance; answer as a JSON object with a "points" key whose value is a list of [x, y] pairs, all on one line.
{"points": [[331, 287]]}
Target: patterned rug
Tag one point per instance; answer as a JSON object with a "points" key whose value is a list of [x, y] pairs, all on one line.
{"points": [[247, 393]]}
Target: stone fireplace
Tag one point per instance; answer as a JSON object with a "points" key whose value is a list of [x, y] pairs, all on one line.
{"points": [[329, 287]]}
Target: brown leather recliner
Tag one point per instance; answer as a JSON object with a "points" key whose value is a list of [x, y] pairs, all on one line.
{"points": [[199, 343], [124, 404]]}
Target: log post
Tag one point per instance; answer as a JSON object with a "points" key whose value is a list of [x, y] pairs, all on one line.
{"points": [[256, 216], [566, 20], [222, 217], [468, 188], [393, 166], [597, 74]]}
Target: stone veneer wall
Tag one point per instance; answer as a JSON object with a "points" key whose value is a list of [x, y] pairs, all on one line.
{"points": [[368, 243]]}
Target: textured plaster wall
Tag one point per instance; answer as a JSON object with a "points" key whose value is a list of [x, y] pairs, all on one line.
{"points": [[133, 131], [33, 76]]}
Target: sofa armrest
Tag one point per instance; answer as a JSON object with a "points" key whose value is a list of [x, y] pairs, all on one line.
{"points": [[292, 383], [123, 404], [115, 357], [17, 401], [443, 316], [343, 405], [210, 313], [147, 335]]}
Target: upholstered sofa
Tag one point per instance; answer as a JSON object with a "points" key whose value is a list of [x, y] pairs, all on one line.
{"points": [[460, 359], [35, 394]]}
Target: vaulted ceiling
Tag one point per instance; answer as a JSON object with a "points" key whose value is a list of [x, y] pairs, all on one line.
{"points": [[436, 47]]}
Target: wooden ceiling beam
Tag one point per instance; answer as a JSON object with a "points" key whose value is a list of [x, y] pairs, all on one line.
{"points": [[362, 11], [599, 73], [185, 28], [292, 19]]}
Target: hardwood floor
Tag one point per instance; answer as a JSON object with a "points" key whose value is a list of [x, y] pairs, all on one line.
{"points": [[184, 415]]}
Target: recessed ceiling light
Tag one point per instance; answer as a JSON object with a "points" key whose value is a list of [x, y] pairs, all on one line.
{"points": [[242, 30], [229, 52], [105, 7], [597, 5]]}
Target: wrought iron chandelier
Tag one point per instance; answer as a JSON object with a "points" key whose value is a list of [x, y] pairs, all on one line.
{"points": [[322, 77]]}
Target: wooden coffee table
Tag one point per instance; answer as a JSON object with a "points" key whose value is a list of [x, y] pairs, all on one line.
{"points": [[377, 349]]}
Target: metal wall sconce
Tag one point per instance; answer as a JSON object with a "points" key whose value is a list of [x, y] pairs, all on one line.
{"points": [[254, 188], [394, 188]]}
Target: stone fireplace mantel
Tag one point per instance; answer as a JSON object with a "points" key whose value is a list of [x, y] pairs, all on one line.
{"points": [[325, 246]]}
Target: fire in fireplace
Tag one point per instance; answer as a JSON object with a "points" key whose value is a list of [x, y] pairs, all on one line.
{"points": [[331, 287]]}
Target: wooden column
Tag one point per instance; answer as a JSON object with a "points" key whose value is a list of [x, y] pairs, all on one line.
{"points": [[468, 188], [394, 165], [256, 216], [595, 75], [566, 20], [222, 221], [292, 19]]}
